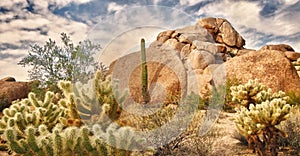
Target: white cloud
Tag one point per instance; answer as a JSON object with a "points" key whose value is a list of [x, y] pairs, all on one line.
{"points": [[62, 3], [33, 28], [290, 2], [190, 2], [115, 7]]}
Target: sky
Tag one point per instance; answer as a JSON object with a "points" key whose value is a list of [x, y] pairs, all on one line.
{"points": [[121, 22]]}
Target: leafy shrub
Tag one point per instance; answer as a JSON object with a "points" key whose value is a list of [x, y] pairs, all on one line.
{"points": [[51, 63]]}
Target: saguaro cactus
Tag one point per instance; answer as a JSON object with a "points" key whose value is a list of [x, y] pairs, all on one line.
{"points": [[145, 92]]}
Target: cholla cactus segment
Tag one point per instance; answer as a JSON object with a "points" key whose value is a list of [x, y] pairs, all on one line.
{"points": [[33, 112], [260, 116], [253, 92], [96, 101]]}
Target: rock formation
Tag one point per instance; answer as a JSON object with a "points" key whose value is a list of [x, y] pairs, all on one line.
{"points": [[11, 90], [210, 49]]}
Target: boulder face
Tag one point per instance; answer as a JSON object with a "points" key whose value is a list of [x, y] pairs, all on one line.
{"points": [[270, 67], [11, 90], [166, 74]]}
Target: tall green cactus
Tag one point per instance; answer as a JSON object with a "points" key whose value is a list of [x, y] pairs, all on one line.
{"points": [[259, 114], [145, 92]]}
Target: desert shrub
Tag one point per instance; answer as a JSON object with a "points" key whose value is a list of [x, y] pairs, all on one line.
{"points": [[292, 128], [294, 98], [189, 142], [259, 114]]}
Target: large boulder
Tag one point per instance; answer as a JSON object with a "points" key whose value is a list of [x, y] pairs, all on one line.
{"points": [[11, 90], [270, 67]]}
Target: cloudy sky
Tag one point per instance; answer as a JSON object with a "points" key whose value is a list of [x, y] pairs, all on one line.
{"points": [[26, 22]]}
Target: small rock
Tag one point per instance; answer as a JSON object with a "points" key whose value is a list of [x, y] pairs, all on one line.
{"points": [[9, 79], [185, 51], [210, 68], [207, 46], [174, 43], [279, 47], [293, 56], [200, 59], [165, 35]]}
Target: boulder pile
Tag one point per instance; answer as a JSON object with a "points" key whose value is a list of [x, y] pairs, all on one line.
{"points": [[209, 50]]}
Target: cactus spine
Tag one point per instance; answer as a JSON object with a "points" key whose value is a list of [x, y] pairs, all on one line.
{"points": [[145, 92], [259, 114]]}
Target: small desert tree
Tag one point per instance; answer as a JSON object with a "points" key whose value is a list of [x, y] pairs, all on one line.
{"points": [[51, 62]]}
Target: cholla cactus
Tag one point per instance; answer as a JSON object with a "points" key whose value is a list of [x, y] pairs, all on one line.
{"points": [[260, 112], [71, 141], [33, 127], [33, 112]]}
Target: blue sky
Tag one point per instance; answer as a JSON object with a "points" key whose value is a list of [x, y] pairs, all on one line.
{"points": [[25, 22]]}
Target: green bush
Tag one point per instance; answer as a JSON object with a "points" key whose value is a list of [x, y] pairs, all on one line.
{"points": [[51, 62]]}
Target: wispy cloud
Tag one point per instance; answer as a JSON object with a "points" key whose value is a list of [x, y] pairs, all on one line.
{"points": [[121, 32]]}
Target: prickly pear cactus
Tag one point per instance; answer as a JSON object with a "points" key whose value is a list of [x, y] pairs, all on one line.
{"points": [[259, 114]]}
